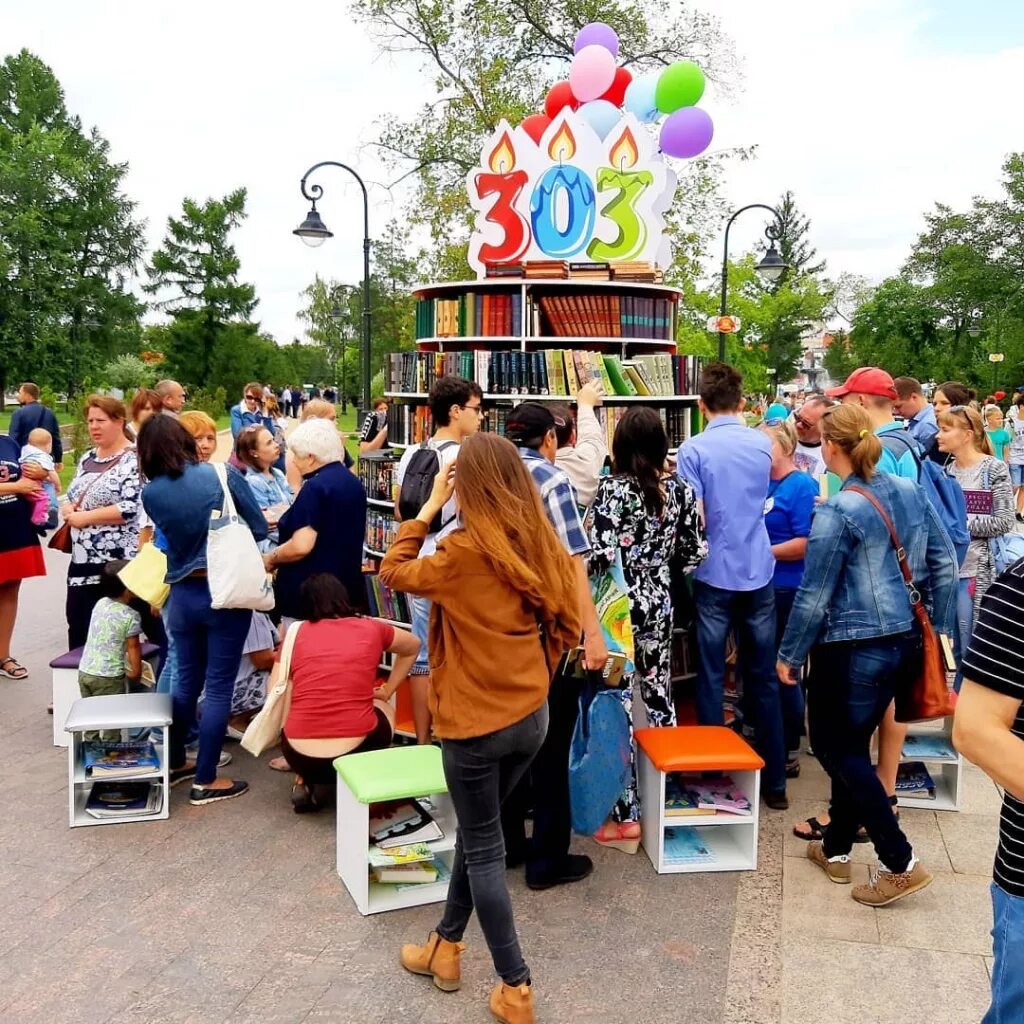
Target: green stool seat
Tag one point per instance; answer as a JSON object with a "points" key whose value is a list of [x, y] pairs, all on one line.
{"points": [[390, 774]]}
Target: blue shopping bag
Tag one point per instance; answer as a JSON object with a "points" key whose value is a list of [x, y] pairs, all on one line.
{"points": [[598, 758]]}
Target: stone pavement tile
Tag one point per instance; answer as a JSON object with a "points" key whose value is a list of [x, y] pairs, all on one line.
{"points": [[978, 793], [971, 841], [856, 983], [954, 913], [921, 828], [814, 907]]}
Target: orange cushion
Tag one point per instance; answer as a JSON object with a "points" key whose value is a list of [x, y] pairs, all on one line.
{"points": [[698, 748]]}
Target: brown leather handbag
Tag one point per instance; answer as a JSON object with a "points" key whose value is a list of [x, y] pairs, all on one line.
{"points": [[61, 539], [926, 695]]}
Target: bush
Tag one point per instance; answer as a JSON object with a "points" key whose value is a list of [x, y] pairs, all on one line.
{"points": [[213, 403], [127, 373]]}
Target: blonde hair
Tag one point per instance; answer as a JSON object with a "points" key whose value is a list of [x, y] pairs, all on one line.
{"points": [[198, 423], [784, 433], [955, 416], [318, 409], [992, 410], [41, 438], [849, 428]]}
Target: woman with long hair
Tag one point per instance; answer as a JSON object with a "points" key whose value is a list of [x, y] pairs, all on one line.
{"points": [[145, 403], [854, 608], [641, 519], [505, 607], [985, 481], [258, 452], [952, 392]]}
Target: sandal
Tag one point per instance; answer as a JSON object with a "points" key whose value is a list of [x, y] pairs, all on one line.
{"points": [[279, 764], [18, 672], [619, 835], [818, 830]]}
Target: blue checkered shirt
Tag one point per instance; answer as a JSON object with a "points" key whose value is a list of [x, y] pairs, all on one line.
{"points": [[559, 498]]}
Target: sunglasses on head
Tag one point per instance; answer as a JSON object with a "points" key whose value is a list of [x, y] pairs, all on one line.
{"points": [[773, 421]]}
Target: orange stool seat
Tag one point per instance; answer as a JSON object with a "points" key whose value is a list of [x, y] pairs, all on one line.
{"points": [[698, 748]]}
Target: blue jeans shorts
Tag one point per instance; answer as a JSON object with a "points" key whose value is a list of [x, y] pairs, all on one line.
{"points": [[419, 608], [1016, 475]]}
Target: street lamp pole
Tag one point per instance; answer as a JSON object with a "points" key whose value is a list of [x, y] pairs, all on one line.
{"points": [[771, 264], [314, 232]]}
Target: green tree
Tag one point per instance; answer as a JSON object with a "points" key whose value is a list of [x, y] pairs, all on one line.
{"points": [[795, 248], [195, 272], [128, 372]]}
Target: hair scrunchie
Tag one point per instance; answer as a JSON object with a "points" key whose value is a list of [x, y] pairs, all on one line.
{"points": [[862, 433]]}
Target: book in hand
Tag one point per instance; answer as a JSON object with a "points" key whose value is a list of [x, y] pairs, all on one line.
{"points": [[933, 746], [683, 845], [403, 825], [979, 503], [679, 803], [396, 855], [613, 674], [913, 780], [123, 799], [115, 760], [716, 796]]}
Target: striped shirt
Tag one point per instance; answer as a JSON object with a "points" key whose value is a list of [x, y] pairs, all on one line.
{"points": [[995, 659]]}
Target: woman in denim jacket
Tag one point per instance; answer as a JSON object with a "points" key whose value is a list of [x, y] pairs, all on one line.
{"points": [[854, 610]]}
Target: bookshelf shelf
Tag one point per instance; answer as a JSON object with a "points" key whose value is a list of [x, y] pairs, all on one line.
{"points": [[380, 503], [372, 553], [543, 283], [561, 341], [608, 399]]}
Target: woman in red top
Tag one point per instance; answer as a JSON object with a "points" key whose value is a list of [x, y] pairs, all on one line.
{"points": [[337, 707]]}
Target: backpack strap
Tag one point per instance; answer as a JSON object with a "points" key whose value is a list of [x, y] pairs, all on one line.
{"points": [[906, 439]]}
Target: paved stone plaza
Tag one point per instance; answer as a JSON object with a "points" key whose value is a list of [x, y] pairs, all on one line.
{"points": [[234, 913]]}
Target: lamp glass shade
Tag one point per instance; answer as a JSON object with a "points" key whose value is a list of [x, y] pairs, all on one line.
{"points": [[337, 313], [974, 330], [313, 231], [771, 265]]}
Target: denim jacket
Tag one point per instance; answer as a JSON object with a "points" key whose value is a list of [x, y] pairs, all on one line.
{"points": [[852, 587], [181, 507]]}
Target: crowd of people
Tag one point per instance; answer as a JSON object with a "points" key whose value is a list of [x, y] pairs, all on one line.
{"points": [[781, 537]]}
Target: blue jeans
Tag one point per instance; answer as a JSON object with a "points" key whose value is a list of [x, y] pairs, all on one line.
{"points": [[792, 697], [419, 612], [849, 688], [209, 648], [1007, 940], [964, 625], [481, 772], [751, 614]]}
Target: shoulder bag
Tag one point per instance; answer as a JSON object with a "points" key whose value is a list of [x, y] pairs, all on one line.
{"points": [[234, 565], [926, 695], [61, 540], [265, 729], [1007, 548]]}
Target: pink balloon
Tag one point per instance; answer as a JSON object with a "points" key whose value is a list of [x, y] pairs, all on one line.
{"points": [[686, 133], [592, 73]]}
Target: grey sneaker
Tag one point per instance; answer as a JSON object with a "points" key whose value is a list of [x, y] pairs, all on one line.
{"points": [[885, 887], [837, 868]]}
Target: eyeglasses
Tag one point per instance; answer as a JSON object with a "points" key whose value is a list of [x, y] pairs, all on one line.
{"points": [[253, 398], [474, 408], [801, 422]]}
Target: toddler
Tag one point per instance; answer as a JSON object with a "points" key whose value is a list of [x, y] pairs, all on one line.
{"points": [[44, 502], [112, 656]]}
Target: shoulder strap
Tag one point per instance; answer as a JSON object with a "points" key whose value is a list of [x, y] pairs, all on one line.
{"points": [[228, 508], [286, 650], [901, 554], [96, 478], [905, 438], [445, 444]]}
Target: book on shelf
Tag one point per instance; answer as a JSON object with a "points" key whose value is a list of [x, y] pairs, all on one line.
{"points": [[550, 269], [914, 780], [715, 796], [605, 315], [418, 873], [408, 424], [377, 478], [381, 529], [933, 746], [104, 760], [403, 823], [398, 855], [636, 270], [679, 802], [683, 845], [383, 602], [124, 799], [486, 314], [590, 271]]}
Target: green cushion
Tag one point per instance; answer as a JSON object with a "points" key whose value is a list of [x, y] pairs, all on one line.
{"points": [[393, 773]]}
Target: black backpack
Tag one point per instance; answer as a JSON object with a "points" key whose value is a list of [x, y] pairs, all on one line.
{"points": [[418, 482]]}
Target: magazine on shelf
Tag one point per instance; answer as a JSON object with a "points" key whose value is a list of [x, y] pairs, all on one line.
{"points": [[931, 746], [716, 796], [914, 780], [416, 873], [105, 760], [679, 803], [395, 855], [124, 799], [443, 874], [683, 845], [402, 824]]}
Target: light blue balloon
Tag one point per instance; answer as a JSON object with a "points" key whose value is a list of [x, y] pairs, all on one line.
{"points": [[601, 115], [641, 98]]}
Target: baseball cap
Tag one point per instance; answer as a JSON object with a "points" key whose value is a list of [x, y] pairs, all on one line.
{"points": [[528, 422], [867, 380]]}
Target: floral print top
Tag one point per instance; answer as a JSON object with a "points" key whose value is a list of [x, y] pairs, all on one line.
{"points": [[120, 485]]}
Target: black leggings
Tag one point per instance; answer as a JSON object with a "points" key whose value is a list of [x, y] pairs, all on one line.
{"points": [[319, 771]]}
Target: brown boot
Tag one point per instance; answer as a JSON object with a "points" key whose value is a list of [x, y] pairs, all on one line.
{"points": [[512, 1005], [885, 887], [438, 959]]}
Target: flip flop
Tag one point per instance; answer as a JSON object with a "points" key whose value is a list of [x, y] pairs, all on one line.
{"points": [[20, 672], [279, 764], [818, 832]]}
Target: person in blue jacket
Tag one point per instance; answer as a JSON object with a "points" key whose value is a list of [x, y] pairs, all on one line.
{"points": [[250, 411], [32, 414]]}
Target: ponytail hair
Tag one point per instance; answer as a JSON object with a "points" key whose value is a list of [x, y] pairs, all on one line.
{"points": [[848, 427], [966, 417]]}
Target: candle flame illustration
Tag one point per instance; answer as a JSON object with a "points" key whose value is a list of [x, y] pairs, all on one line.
{"points": [[563, 145], [625, 153], [503, 156]]}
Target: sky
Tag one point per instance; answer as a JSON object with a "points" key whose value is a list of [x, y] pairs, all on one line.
{"points": [[870, 111]]}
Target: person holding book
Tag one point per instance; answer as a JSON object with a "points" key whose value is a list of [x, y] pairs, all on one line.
{"points": [[336, 706], [112, 657], [505, 605], [985, 481], [582, 450], [374, 435], [643, 520], [853, 610]]}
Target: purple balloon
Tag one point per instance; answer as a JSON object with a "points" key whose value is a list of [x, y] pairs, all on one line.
{"points": [[597, 33], [686, 133]]}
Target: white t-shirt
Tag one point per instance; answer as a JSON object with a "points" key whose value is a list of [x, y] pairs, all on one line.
{"points": [[448, 515], [1015, 424], [808, 459]]}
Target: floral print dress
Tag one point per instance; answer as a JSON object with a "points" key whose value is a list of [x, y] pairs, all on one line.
{"points": [[620, 523]]}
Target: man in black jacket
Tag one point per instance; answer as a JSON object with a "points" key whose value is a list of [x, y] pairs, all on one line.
{"points": [[32, 414]]}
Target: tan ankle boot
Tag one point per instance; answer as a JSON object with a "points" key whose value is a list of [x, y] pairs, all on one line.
{"points": [[512, 1005], [438, 959]]}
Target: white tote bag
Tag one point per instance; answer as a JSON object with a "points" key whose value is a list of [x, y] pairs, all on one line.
{"points": [[234, 565], [265, 729]]}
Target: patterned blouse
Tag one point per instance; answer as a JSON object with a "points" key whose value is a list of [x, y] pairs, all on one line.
{"points": [[120, 485]]}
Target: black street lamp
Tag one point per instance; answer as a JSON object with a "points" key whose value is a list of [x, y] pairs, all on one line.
{"points": [[770, 266], [314, 232]]}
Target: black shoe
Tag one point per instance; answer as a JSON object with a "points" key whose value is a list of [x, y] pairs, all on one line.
{"points": [[776, 799], [179, 775], [793, 768], [575, 868], [200, 795]]}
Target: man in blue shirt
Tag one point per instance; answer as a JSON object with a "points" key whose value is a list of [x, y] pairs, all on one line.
{"points": [[32, 414], [918, 413], [729, 466]]}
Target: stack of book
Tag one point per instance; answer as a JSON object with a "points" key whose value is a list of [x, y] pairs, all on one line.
{"points": [[602, 315], [385, 603], [124, 799], [684, 845], [687, 795], [381, 530], [104, 760], [928, 746], [399, 853], [409, 424], [636, 270], [913, 780], [377, 478], [590, 271], [551, 270], [504, 270]]}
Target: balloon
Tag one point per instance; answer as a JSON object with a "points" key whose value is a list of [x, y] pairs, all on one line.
{"points": [[597, 33], [1000, 395], [617, 93], [534, 126], [680, 85], [592, 73], [559, 96], [687, 133], [601, 115], [640, 98]]}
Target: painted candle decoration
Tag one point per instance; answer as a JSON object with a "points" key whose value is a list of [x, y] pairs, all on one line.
{"points": [[506, 183], [621, 210], [563, 206]]}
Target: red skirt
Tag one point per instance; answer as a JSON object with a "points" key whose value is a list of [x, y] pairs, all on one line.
{"points": [[21, 563]]}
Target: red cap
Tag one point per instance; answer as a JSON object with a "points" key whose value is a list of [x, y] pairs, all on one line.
{"points": [[868, 380]]}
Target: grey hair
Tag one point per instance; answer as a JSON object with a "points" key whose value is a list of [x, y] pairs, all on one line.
{"points": [[164, 387], [318, 438]]}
